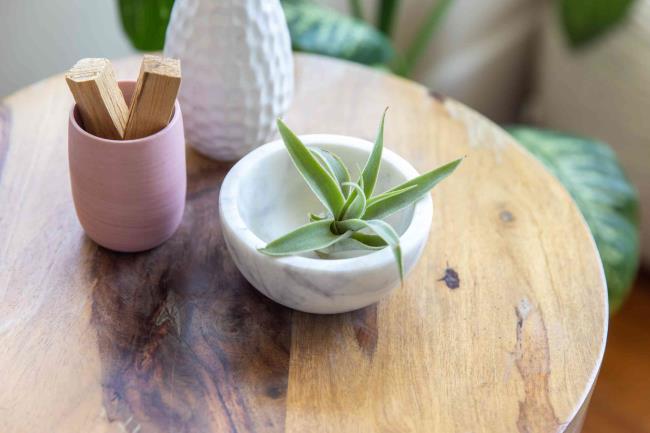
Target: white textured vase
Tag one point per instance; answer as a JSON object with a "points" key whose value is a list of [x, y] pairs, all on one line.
{"points": [[237, 72]]}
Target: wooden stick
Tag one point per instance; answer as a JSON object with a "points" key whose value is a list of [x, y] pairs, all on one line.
{"points": [[152, 104], [99, 99]]}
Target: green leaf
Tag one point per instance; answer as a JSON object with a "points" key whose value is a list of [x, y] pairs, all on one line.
{"points": [[586, 20], [310, 237], [347, 245], [423, 37], [358, 204], [381, 229], [389, 194], [320, 30], [314, 217], [394, 200], [589, 170], [145, 22], [319, 180], [368, 177], [350, 200], [356, 9], [371, 241], [386, 15], [332, 163], [371, 170]]}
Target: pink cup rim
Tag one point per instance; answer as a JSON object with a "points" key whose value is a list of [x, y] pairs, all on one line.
{"points": [[170, 125]]}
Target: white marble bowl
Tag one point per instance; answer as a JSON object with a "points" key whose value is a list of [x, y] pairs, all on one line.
{"points": [[264, 197]]}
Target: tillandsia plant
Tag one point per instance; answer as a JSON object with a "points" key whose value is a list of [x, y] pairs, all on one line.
{"points": [[354, 217]]}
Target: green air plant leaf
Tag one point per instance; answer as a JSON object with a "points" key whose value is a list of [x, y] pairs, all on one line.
{"points": [[371, 170], [390, 194], [368, 177], [319, 30], [371, 241], [310, 237], [145, 22], [586, 20], [381, 229], [588, 169], [347, 245], [313, 217], [357, 206], [332, 163], [403, 195], [345, 228], [319, 180]]}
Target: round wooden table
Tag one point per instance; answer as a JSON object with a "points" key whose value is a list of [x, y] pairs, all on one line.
{"points": [[500, 328]]}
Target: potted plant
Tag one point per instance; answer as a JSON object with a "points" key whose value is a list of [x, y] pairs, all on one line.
{"points": [[349, 255], [593, 80]]}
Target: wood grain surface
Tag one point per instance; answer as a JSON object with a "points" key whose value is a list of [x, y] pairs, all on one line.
{"points": [[500, 328]]}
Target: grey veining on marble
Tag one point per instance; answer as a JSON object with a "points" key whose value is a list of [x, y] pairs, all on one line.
{"points": [[264, 197]]}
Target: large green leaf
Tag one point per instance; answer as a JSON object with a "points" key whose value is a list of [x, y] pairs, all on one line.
{"points": [[319, 30], [585, 20], [589, 170], [145, 22]]}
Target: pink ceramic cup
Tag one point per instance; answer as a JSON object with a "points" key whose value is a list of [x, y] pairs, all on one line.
{"points": [[129, 195]]}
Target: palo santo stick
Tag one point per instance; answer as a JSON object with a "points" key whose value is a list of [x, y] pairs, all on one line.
{"points": [[100, 102], [153, 100]]}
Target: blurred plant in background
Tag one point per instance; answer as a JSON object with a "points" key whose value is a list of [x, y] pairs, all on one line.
{"points": [[587, 168], [586, 20], [314, 29], [145, 22], [592, 175], [321, 30]]}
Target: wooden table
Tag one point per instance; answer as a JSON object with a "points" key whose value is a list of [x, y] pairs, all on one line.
{"points": [[175, 340]]}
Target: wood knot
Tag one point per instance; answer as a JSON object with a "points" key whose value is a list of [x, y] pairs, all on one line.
{"points": [[451, 278], [506, 216]]}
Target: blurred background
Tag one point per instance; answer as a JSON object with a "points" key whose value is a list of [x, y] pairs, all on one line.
{"points": [[570, 79]]}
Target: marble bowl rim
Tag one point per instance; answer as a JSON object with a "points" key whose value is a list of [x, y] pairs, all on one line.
{"points": [[410, 240]]}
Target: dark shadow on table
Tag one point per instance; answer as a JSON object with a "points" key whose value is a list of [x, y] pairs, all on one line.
{"points": [[186, 343]]}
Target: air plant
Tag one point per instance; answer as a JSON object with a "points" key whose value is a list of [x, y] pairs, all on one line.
{"points": [[354, 217]]}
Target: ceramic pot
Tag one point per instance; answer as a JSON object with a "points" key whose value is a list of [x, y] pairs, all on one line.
{"points": [[237, 72], [603, 91], [264, 197], [129, 195]]}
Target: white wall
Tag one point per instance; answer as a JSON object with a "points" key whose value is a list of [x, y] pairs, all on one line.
{"points": [[39, 38]]}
